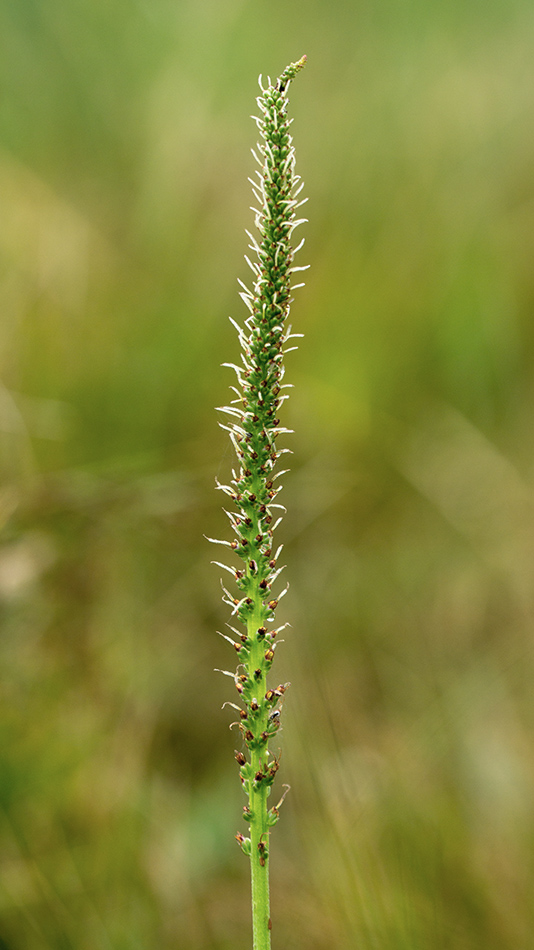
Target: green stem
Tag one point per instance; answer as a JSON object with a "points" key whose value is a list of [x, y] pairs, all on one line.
{"points": [[257, 794], [261, 921]]}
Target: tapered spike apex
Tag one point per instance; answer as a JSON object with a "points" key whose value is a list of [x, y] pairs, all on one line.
{"points": [[290, 72]]}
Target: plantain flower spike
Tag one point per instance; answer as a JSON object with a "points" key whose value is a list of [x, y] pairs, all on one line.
{"points": [[254, 425]]}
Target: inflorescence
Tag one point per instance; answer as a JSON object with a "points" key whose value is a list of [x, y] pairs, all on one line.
{"points": [[254, 426]]}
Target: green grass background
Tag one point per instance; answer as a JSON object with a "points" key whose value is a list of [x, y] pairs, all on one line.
{"points": [[408, 730]]}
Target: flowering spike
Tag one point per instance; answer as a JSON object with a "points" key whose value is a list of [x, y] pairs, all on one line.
{"points": [[253, 424]]}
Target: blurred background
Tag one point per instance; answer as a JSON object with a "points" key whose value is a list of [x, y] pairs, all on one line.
{"points": [[408, 731]]}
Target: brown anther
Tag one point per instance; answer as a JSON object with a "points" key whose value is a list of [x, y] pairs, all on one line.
{"points": [[269, 656], [240, 758], [273, 604]]}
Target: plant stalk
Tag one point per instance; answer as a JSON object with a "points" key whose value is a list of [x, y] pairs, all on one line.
{"points": [[254, 429]]}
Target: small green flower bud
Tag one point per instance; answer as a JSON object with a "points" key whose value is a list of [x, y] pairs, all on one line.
{"points": [[263, 852], [244, 843], [246, 772]]}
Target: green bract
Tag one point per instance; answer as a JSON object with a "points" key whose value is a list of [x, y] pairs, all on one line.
{"points": [[254, 427]]}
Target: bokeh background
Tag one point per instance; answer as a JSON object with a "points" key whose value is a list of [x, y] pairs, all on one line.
{"points": [[408, 730]]}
